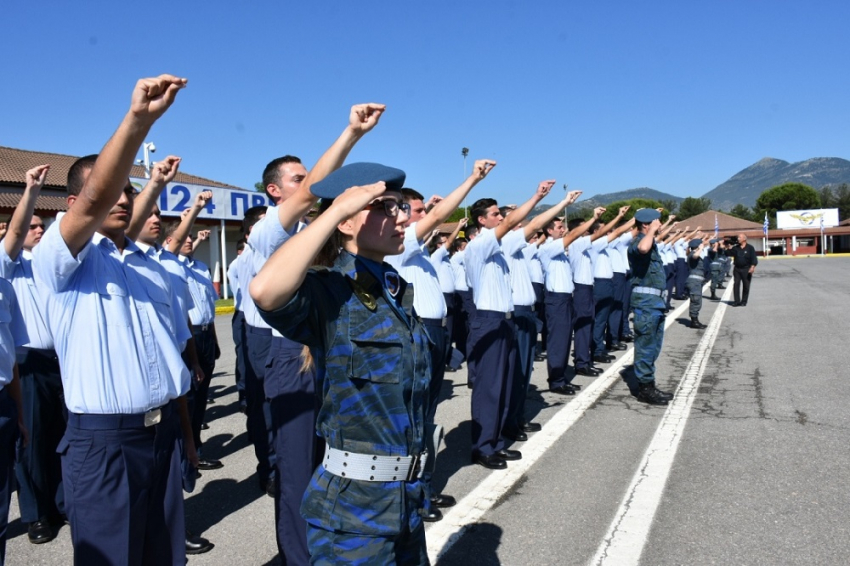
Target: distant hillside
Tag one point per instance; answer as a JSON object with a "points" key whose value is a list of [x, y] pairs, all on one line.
{"points": [[745, 186], [608, 198]]}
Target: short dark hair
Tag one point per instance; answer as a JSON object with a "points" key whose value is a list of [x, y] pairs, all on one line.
{"points": [[240, 244], [409, 194], [574, 223], [470, 231], [252, 216], [551, 224], [77, 174], [457, 243], [479, 208], [169, 229], [271, 174]]}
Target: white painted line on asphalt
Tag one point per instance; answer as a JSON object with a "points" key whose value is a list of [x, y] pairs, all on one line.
{"points": [[442, 535], [627, 535]]}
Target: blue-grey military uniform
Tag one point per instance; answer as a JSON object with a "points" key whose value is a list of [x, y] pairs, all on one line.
{"points": [[648, 283], [696, 278], [373, 363]]}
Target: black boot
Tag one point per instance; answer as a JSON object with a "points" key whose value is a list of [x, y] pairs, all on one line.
{"points": [[647, 393], [713, 296], [695, 323]]}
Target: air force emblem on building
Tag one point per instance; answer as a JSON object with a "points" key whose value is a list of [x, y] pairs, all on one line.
{"points": [[807, 218]]}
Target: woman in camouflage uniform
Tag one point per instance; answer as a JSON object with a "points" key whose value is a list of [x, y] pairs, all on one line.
{"points": [[372, 359]]}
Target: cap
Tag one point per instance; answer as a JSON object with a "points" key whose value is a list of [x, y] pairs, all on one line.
{"points": [[647, 215], [356, 175], [695, 243]]}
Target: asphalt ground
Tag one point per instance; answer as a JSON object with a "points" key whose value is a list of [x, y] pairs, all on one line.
{"points": [[756, 473]]}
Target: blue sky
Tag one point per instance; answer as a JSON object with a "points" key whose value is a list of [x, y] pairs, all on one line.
{"points": [[605, 96]]}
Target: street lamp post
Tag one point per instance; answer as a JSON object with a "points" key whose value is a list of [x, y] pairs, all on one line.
{"points": [[565, 207], [464, 152], [147, 148]]}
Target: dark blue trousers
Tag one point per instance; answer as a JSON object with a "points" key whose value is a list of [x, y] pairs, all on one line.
{"points": [[540, 311], [525, 322], [582, 324], [460, 331], [8, 436], [205, 347], [559, 321], [603, 301], [615, 319], [259, 422], [491, 343], [123, 489], [298, 450], [39, 470], [625, 329], [439, 338], [670, 271], [451, 313], [681, 269], [237, 324]]}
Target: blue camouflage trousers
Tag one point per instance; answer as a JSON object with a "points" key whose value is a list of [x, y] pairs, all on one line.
{"points": [[338, 547], [649, 334]]}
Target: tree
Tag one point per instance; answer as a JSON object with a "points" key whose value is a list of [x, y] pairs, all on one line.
{"points": [[744, 212], [259, 187], [669, 205], [692, 206], [790, 196]]}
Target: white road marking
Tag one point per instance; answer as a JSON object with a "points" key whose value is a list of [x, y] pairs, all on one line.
{"points": [[627, 535], [442, 535]]}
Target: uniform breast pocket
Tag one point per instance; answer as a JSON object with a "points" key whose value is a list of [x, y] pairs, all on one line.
{"points": [[114, 299], [376, 349]]}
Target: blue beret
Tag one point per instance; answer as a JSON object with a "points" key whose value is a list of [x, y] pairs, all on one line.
{"points": [[694, 244], [357, 175], [713, 241], [646, 215]]}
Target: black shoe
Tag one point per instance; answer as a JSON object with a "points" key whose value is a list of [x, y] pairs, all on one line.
{"points": [[515, 435], [205, 426], [450, 369], [665, 394], [743, 303], [531, 427], [210, 401], [627, 338], [539, 358], [197, 545], [713, 297], [492, 461], [506, 454], [40, 532], [618, 346], [588, 372], [431, 516], [268, 486], [205, 464], [695, 323], [647, 393], [721, 286], [736, 304], [443, 500], [565, 389]]}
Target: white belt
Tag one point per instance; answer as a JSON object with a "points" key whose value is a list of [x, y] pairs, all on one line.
{"points": [[647, 291], [700, 277], [369, 467]]}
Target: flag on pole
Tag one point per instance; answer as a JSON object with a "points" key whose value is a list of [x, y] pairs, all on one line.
{"points": [[766, 224], [821, 224], [716, 226]]}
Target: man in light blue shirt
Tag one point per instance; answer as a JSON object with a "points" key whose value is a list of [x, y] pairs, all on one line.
{"points": [[108, 307], [13, 334]]}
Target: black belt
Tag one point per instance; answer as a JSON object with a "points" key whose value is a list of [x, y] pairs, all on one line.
{"points": [[558, 294], [493, 314], [113, 422], [434, 322], [201, 327], [523, 308]]}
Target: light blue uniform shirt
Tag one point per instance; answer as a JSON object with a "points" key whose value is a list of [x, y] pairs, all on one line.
{"points": [[581, 253], [556, 266], [513, 245], [602, 263], [618, 252], [178, 278], [681, 249], [414, 265], [459, 271], [13, 331], [535, 269], [201, 289], [19, 273], [668, 256], [445, 274], [233, 277], [488, 273], [115, 333]]}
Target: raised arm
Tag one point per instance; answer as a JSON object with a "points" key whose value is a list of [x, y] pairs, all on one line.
{"points": [[108, 178], [444, 208], [607, 228], [284, 272], [361, 120], [518, 215], [162, 173], [203, 235], [645, 245], [537, 223], [19, 225], [582, 229], [187, 220], [619, 231], [461, 224]]}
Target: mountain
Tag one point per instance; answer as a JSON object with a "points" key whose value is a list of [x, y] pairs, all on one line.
{"points": [[745, 186], [608, 198]]}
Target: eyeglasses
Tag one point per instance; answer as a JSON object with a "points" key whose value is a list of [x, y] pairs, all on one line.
{"points": [[390, 206]]}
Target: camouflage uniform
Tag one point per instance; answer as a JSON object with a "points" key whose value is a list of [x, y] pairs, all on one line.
{"points": [[373, 364], [716, 267], [647, 273], [696, 278]]}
